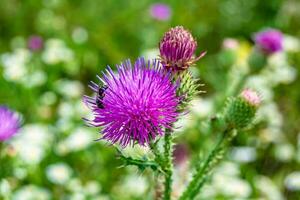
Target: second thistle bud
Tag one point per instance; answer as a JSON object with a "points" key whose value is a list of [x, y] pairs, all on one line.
{"points": [[177, 49], [241, 110]]}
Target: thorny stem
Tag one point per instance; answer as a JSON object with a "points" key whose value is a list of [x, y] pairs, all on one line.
{"points": [[140, 163], [157, 154], [205, 168], [159, 161], [168, 165]]}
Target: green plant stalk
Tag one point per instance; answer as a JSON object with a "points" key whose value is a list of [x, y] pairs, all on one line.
{"points": [[205, 168], [140, 163], [157, 154], [168, 165], [158, 174]]}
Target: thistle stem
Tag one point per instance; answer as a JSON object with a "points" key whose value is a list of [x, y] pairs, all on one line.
{"points": [[157, 154], [168, 165], [205, 168], [140, 163]]}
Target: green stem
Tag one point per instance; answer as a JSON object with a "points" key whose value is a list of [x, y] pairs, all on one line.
{"points": [[238, 85], [159, 159], [205, 168], [168, 165], [140, 163], [157, 154]]}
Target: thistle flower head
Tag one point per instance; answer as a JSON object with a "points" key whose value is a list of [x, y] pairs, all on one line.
{"points": [[240, 111], [136, 104], [177, 48], [9, 123], [269, 41]]}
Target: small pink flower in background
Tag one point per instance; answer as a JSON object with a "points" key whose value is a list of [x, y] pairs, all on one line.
{"points": [[230, 43], [35, 43], [9, 123], [160, 11], [269, 41], [251, 97]]}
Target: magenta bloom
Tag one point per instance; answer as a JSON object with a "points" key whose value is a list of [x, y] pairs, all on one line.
{"points": [[135, 104], [9, 123], [177, 49], [269, 41], [160, 11], [35, 43]]}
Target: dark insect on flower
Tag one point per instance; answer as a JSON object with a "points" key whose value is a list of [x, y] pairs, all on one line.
{"points": [[100, 96]]}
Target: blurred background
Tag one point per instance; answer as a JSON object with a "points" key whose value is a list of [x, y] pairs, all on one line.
{"points": [[51, 49]]}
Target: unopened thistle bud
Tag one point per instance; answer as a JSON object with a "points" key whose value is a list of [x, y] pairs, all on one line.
{"points": [[240, 111], [177, 49]]}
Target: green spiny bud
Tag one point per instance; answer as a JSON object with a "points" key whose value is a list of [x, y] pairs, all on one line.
{"points": [[240, 111], [187, 89]]}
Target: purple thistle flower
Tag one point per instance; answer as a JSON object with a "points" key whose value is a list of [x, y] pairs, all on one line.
{"points": [[135, 104], [269, 41], [9, 123], [177, 49], [160, 11], [35, 43]]}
